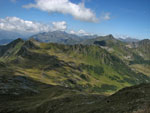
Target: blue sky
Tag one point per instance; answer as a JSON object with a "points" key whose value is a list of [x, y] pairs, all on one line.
{"points": [[117, 17]]}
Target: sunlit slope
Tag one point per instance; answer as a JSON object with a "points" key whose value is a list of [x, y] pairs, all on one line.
{"points": [[136, 54], [83, 67]]}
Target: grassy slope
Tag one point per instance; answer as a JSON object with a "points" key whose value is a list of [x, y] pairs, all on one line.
{"points": [[142, 68], [69, 66], [83, 67], [135, 55]]}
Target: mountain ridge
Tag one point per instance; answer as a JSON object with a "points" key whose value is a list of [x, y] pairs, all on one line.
{"points": [[95, 63], [40, 77]]}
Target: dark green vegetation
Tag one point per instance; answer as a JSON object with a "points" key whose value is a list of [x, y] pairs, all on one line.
{"points": [[55, 78]]}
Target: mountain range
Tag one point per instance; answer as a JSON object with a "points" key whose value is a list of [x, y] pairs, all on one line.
{"points": [[73, 73], [128, 40], [61, 37], [52, 36]]}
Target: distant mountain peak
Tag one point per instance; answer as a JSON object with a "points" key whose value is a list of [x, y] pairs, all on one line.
{"points": [[127, 39], [110, 35]]}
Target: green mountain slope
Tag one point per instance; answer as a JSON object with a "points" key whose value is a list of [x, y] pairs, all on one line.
{"points": [[55, 78], [20, 94], [143, 48], [83, 67], [135, 55], [113, 46], [128, 100]]}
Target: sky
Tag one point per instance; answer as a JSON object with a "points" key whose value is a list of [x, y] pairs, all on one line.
{"points": [[122, 18]]}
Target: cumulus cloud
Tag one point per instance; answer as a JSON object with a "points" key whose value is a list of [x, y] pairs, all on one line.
{"points": [[23, 26], [78, 11], [80, 32], [62, 26], [19, 25]]}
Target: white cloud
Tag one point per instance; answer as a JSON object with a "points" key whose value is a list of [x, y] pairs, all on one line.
{"points": [[80, 32], [72, 32], [121, 36], [16, 24], [62, 26], [105, 16], [22, 26], [78, 11]]}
